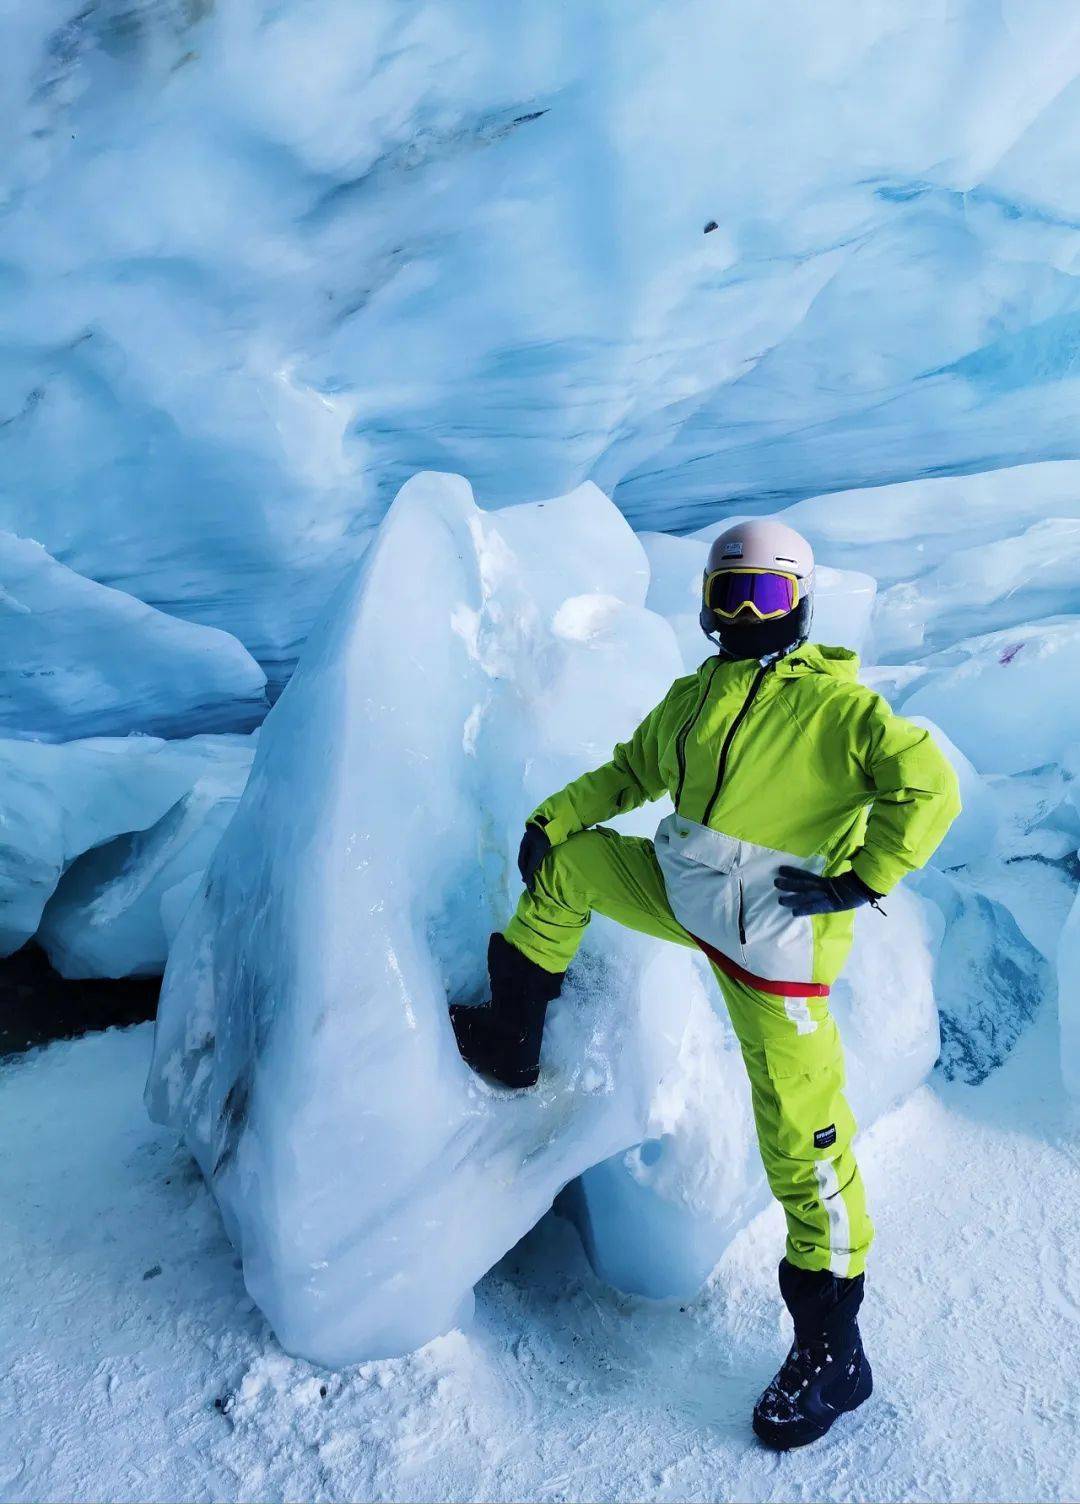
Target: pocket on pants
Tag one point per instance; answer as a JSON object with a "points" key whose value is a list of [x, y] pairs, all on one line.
{"points": [[807, 1076]]}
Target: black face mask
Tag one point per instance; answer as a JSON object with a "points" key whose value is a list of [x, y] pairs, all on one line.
{"points": [[749, 638]]}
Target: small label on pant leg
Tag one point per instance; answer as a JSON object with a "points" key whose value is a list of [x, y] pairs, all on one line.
{"points": [[824, 1138]]}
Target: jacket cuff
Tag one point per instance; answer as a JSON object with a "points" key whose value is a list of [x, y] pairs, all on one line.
{"points": [[880, 878], [555, 827], [869, 893]]}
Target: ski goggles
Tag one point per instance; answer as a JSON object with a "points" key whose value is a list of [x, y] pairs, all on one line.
{"points": [[764, 593]]}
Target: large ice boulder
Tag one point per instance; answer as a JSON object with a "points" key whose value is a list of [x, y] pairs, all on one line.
{"points": [[303, 1048], [117, 907], [57, 802], [82, 659]]}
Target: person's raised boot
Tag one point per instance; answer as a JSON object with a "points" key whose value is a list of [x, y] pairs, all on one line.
{"points": [[502, 1038], [826, 1373]]}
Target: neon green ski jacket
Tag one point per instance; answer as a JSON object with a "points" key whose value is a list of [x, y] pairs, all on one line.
{"points": [[788, 762]]}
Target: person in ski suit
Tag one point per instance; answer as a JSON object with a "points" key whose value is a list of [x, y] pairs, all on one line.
{"points": [[798, 797]]}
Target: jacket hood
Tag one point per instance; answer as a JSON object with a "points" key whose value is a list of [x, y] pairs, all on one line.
{"points": [[817, 658]]}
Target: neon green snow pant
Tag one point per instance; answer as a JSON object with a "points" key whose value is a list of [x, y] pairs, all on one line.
{"points": [[791, 1047]]}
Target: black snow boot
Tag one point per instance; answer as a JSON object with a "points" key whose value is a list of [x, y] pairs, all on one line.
{"points": [[502, 1039], [826, 1372]]}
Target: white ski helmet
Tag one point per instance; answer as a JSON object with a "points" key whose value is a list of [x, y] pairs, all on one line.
{"points": [[757, 594]]}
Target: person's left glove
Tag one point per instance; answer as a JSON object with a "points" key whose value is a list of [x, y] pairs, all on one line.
{"points": [[532, 851], [806, 893]]}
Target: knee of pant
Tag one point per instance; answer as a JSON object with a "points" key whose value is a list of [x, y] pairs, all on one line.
{"points": [[565, 868]]}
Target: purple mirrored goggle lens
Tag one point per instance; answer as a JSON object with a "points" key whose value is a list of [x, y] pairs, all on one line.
{"points": [[732, 591]]}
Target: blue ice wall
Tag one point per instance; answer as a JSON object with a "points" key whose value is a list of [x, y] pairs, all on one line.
{"points": [[261, 261]]}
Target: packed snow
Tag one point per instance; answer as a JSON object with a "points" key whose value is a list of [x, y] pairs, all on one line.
{"points": [[137, 1366]]}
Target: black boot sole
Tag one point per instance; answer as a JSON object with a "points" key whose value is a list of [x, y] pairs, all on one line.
{"points": [[519, 1082], [785, 1438]]}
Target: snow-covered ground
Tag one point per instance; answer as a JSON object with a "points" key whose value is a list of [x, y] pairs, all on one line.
{"points": [[136, 1366]]}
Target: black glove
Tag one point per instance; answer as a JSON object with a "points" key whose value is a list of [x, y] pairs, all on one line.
{"points": [[806, 893], [534, 848]]}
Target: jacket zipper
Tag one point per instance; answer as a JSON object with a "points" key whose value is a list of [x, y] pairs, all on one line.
{"points": [[680, 745], [742, 914], [721, 769]]}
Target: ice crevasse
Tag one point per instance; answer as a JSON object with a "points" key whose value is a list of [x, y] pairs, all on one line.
{"points": [[475, 661]]}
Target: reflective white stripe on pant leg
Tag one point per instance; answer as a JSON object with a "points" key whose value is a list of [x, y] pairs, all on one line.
{"points": [[836, 1211]]}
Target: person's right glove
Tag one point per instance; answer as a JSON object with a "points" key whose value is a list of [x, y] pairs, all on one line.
{"points": [[532, 851], [806, 893]]}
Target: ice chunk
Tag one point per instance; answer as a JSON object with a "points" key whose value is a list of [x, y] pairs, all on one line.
{"points": [[175, 903], [81, 660], [972, 835], [843, 609], [676, 566], [656, 1218], [886, 1002], [981, 589], [989, 980], [367, 1177], [1007, 699], [904, 531], [1068, 989], [58, 801], [1032, 867], [115, 909]]}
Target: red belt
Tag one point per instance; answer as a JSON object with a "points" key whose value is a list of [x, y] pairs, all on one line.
{"points": [[731, 968]]}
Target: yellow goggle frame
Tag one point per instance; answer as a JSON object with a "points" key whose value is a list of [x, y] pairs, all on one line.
{"points": [[748, 605]]}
